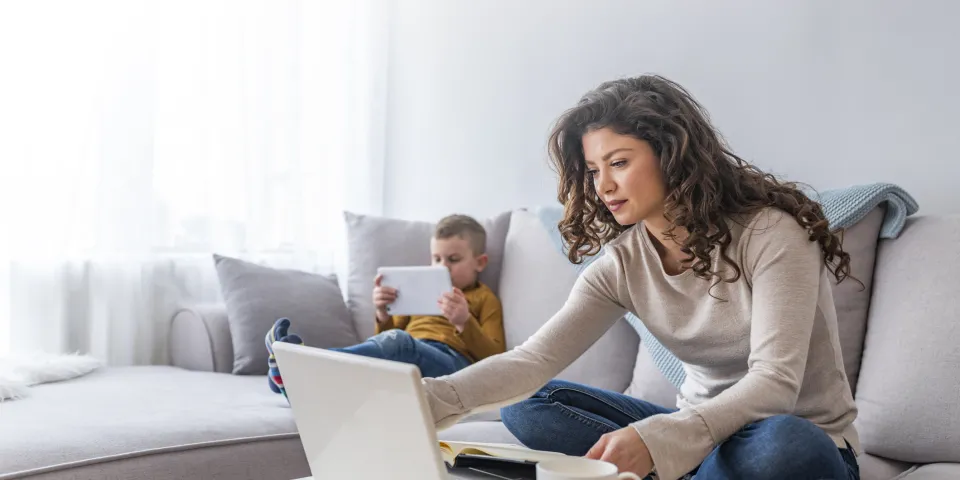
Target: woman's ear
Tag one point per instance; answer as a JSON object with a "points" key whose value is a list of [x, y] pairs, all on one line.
{"points": [[482, 261]]}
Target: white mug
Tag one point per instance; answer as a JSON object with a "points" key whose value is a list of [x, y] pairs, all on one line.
{"points": [[576, 468]]}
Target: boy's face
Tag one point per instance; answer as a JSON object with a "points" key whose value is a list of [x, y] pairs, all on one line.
{"points": [[456, 254]]}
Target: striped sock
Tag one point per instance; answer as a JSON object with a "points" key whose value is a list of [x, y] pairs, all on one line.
{"points": [[278, 334]]}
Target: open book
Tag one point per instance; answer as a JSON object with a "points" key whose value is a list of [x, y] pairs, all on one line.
{"points": [[450, 450]]}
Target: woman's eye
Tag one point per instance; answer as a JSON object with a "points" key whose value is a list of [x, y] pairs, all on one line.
{"points": [[619, 163], [591, 173]]}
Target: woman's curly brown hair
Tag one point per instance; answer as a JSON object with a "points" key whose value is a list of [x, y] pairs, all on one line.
{"points": [[706, 182]]}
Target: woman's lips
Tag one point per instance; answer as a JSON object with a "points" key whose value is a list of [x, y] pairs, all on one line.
{"points": [[615, 205]]}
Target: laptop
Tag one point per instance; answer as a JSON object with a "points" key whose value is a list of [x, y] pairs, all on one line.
{"points": [[362, 418]]}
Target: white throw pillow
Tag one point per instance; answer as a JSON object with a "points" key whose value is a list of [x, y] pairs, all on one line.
{"points": [[535, 281]]}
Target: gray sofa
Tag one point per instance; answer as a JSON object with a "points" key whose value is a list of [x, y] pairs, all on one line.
{"points": [[900, 336]]}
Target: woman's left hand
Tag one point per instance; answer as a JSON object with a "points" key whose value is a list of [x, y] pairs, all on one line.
{"points": [[625, 449]]}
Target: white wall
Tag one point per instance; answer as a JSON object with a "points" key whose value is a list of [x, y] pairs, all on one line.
{"points": [[823, 92]]}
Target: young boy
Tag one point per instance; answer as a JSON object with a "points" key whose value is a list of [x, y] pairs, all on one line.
{"points": [[470, 329]]}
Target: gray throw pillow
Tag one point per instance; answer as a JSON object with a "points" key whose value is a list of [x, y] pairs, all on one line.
{"points": [[851, 299], [256, 296]]}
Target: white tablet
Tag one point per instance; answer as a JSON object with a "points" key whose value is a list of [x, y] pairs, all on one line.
{"points": [[418, 288]]}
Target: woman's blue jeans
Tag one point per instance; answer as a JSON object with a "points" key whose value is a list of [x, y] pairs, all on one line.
{"points": [[435, 359], [570, 418]]}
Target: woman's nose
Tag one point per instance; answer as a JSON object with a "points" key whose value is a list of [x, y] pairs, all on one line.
{"points": [[604, 183]]}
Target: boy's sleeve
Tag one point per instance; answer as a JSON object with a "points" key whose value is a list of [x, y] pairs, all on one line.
{"points": [[483, 334], [397, 321]]}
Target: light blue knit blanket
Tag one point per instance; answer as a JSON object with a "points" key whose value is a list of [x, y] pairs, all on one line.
{"points": [[843, 208]]}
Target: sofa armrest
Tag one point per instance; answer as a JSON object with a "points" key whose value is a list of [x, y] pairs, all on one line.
{"points": [[200, 339]]}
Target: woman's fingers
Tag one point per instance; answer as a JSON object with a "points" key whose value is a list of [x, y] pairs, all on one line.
{"points": [[609, 455], [598, 449]]}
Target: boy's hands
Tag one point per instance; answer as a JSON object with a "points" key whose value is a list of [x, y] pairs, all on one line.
{"points": [[453, 304], [454, 307], [382, 296]]}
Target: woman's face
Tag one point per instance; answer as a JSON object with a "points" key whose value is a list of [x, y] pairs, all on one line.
{"points": [[626, 175]]}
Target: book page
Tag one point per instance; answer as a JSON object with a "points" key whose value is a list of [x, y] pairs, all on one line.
{"points": [[450, 450]]}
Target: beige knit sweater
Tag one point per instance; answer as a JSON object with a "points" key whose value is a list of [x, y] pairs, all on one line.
{"points": [[766, 345]]}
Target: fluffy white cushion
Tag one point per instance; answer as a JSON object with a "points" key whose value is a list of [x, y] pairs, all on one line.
{"points": [[18, 372]]}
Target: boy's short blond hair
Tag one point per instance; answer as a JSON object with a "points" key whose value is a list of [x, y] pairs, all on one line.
{"points": [[463, 226]]}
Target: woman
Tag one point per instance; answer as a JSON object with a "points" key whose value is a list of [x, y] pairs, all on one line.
{"points": [[727, 266]]}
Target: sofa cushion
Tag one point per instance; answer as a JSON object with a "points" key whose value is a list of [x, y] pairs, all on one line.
{"points": [[649, 384], [112, 415], [534, 285], [256, 296], [878, 468], [852, 300], [374, 242], [909, 389], [934, 471], [261, 458]]}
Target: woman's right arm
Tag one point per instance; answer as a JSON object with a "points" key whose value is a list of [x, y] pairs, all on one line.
{"points": [[594, 305]]}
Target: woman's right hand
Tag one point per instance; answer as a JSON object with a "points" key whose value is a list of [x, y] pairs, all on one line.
{"points": [[443, 403], [382, 296]]}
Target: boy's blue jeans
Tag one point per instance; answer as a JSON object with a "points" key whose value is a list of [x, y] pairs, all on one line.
{"points": [[570, 418], [435, 359]]}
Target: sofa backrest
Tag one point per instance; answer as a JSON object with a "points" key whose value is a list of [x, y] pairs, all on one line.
{"points": [[909, 389]]}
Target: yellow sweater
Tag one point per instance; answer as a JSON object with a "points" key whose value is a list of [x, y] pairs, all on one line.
{"points": [[481, 337]]}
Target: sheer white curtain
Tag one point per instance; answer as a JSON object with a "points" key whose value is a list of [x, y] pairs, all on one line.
{"points": [[139, 136]]}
